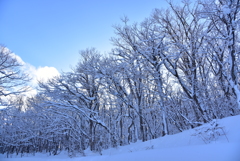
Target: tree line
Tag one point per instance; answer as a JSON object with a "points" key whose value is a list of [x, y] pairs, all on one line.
{"points": [[177, 69]]}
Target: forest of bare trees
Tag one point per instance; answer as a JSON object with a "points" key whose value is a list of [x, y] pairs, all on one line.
{"points": [[177, 69]]}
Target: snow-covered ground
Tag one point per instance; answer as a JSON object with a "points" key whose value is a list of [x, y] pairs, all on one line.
{"points": [[179, 147]]}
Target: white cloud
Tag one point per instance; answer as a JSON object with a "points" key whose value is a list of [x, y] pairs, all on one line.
{"points": [[42, 73], [37, 74], [18, 58], [5, 50]]}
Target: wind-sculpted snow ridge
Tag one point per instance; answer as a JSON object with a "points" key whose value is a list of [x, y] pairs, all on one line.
{"points": [[185, 146]]}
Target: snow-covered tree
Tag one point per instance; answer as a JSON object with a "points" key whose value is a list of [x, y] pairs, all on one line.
{"points": [[223, 16], [13, 80]]}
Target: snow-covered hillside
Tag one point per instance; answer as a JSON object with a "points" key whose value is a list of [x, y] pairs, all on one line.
{"points": [[183, 146]]}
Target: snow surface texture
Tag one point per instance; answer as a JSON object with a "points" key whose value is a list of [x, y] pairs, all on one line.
{"points": [[186, 146]]}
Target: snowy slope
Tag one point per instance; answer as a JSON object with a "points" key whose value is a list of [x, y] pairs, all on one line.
{"points": [[178, 147]]}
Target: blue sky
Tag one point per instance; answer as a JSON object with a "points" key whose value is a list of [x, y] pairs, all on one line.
{"points": [[51, 32]]}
